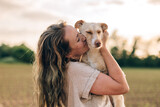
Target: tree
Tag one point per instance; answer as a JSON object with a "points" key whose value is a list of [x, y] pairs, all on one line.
{"points": [[5, 51], [23, 53]]}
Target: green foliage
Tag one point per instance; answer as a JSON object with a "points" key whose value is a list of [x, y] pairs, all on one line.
{"points": [[4, 51], [23, 53], [9, 60], [152, 61], [129, 59], [19, 53], [125, 59]]}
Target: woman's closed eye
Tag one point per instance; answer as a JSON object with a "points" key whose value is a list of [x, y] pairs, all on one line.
{"points": [[78, 38]]}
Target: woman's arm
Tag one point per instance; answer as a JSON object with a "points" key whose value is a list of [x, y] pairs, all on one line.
{"points": [[113, 84]]}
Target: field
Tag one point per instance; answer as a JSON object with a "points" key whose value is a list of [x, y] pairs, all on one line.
{"points": [[144, 87], [16, 86]]}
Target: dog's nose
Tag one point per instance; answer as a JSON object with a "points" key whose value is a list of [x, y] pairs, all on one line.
{"points": [[97, 44]]}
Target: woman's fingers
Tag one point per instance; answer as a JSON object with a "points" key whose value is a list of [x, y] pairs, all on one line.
{"points": [[105, 37]]}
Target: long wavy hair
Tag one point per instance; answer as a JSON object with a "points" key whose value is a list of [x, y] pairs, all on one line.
{"points": [[49, 67]]}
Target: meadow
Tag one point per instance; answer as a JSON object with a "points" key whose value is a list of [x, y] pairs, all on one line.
{"points": [[16, 86]]}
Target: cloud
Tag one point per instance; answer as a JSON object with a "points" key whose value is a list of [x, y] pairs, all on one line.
{"points": [[154, 1], [17, 19], [38, 16], [8, 5], [117, 2]]}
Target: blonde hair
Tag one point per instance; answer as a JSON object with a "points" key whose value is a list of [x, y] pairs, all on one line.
{"points": [[49, 67]]}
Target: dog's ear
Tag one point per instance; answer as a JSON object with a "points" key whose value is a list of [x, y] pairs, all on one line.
{"points": [[79, 23], [104, 26]]}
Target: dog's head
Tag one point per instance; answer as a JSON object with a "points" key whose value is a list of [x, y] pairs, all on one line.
{"points": [[92, 31]]}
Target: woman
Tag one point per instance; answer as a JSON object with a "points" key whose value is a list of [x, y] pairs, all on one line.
{"points": [[62, 81]]}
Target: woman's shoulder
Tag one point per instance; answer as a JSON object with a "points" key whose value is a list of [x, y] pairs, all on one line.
{"points": [[76, 65], [80, 68]]}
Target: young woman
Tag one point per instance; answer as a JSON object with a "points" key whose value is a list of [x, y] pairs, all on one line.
{"points": [[62, 81]]}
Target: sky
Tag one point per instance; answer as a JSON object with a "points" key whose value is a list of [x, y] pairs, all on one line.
{"points": [[24, 21]]}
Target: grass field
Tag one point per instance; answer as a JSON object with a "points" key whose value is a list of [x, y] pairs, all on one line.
{"points": [[144, 87], [16, 86]]}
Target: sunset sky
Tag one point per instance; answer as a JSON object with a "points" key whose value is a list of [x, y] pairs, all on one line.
{"points": [[24, 20]]}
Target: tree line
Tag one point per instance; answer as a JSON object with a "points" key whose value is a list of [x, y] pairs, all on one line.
{"points": [[20, 53], [125, 58]]}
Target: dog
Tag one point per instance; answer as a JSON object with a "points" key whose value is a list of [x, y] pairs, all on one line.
{"points": [[94, 35]]}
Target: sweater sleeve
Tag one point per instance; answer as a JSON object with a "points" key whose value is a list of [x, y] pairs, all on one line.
{"points": [[82, 77]]}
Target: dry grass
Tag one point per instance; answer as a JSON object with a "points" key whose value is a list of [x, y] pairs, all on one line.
{"points": [[144, 87], [16, 86]]}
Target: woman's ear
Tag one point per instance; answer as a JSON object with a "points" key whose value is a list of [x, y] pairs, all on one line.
{"points": [[69, 56]]}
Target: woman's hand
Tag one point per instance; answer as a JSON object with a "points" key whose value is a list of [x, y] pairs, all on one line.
{"points": [[105, 39]]}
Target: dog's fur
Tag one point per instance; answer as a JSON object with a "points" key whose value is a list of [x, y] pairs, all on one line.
{"points": [[94, 34]]}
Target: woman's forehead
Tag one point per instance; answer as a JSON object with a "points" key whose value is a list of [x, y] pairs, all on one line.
{"points": [[70, 28], [70, 35], [70, 31]]}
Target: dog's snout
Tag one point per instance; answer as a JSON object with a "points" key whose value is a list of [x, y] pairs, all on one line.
{"points": [[97, 44]]}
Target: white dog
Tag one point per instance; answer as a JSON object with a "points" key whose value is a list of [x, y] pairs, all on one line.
{"points": [[94, 34]]}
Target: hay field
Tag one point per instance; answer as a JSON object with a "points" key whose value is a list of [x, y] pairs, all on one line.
{"points": [[144, 87], [16, 86]]}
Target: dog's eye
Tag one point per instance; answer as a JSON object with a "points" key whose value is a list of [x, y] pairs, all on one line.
{"points": [[98, 32], [89, 32]]}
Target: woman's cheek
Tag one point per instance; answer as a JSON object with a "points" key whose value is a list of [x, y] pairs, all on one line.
{"points": [[80, 45]]}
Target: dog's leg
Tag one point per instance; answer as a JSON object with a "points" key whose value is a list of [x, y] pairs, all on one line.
{"points": [[118, 100]]}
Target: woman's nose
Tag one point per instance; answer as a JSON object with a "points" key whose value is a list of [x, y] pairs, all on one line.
{"points": [[83, 38]]}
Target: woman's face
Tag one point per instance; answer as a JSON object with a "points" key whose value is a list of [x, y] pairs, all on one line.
{"points": [[77, 42]]}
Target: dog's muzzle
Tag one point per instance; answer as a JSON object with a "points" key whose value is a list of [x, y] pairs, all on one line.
{"points": [[97, 44]]}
